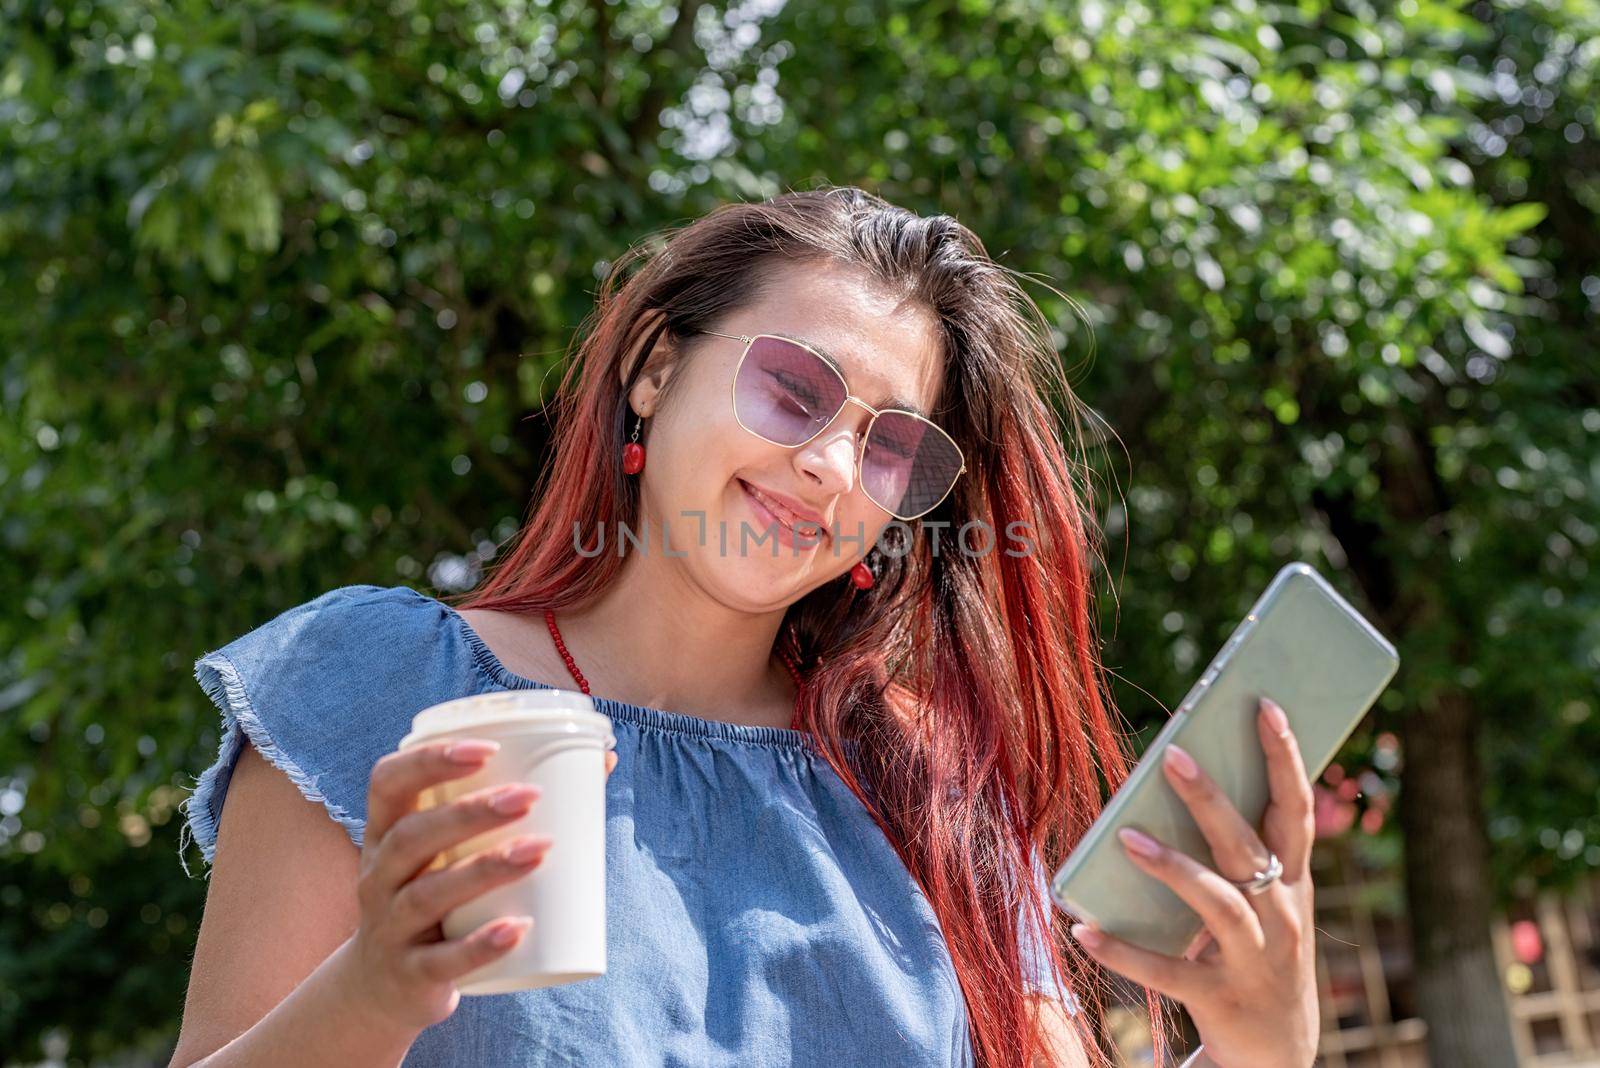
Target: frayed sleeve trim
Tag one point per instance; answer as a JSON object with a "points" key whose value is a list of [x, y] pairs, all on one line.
{"points": [[1039, 977], [222, 682]]}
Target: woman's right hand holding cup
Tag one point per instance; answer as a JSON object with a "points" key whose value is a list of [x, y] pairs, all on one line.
{"points": [[403, 966]]}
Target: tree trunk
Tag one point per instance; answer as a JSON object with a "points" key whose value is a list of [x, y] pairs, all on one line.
{"points": [[1448, 890], [1449, 887]]}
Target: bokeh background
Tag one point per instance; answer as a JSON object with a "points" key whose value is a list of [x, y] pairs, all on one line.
{"points": [[283, 287]]}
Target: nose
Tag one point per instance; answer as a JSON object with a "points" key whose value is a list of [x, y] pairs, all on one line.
{"points": [[829, 459]]}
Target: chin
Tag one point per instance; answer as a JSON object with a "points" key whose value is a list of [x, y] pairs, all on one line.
{"points": [[757, 583]]}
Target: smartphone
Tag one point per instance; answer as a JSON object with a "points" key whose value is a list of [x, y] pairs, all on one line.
{"points": [[1302, 645]]}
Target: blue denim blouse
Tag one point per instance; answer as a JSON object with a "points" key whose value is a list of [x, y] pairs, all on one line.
{"points": [[756, 915]]}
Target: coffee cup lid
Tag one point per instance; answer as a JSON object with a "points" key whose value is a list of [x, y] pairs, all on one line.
{"points": [[567, 711]]}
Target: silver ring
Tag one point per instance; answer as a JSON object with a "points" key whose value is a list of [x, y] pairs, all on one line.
{"points": [[1260, 880]]}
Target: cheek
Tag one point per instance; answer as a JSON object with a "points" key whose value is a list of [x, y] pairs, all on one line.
{"points": [[860, 526], [692, 440], [696, 463]]}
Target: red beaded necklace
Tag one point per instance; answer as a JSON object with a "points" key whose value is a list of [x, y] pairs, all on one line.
{"points": [[583, 683]]}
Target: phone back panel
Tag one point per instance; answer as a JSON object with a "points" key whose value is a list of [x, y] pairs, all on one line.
{"points": [[1302, 645]]}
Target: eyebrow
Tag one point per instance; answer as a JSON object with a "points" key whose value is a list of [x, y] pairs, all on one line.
{"points": [[893, 402]]}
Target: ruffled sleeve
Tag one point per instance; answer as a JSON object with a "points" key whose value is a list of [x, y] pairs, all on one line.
{"points": [[323, 691]]}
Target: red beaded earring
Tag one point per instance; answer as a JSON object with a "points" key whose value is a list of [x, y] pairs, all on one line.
{"points": [[861, 575], [633, 452]]}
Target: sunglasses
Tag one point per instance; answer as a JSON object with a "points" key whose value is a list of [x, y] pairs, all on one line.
{"points": [[787, 393]]}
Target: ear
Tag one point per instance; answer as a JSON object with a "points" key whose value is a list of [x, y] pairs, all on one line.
{"points": [[659, 363]]}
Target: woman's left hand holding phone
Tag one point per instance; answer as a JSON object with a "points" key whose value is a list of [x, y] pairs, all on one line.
{"points": [[1252, 989]]}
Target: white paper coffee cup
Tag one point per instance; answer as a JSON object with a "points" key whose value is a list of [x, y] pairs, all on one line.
{"points": [[557, 740]]}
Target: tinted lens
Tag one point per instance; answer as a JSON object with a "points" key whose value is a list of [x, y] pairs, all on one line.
{"points": [[785, 393], [908, 464]]}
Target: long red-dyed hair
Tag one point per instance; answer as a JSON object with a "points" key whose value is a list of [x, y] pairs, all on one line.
{"points": [[969, 680]]}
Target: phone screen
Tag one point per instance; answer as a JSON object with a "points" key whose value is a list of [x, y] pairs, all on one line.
{"points": [[1302, 645]]}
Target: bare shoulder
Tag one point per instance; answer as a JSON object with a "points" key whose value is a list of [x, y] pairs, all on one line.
{"points": [[281, 895], [1065, 1046], [521, 643], [487, 624]]}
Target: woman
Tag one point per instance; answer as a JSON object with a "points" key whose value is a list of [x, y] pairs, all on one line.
{"points": [[847, 752]]}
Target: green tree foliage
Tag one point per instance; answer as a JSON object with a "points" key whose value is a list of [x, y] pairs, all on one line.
{"points": [[282, 288], [1524, 461]]}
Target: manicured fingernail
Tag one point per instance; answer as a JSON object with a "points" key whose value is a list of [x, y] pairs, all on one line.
{"points": [[511, 799], [1181, 762], [1087, 935], [1275, 717], [505, 935], [527, 849], [1139, 842], [471, 752]]}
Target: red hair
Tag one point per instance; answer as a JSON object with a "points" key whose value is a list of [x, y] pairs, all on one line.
{"points": [[969, 680]]}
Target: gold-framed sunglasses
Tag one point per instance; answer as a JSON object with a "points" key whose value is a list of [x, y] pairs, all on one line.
{"points": [[786, 393]]}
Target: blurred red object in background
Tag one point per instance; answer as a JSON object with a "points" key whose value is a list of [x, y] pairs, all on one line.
{"points": [[1334, 815], [1527, 945]]}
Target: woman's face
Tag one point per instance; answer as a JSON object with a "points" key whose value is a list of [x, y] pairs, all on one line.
{"points": [[700, 459]]}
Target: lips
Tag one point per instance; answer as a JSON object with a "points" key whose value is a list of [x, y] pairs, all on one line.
{"points": [[785, 511]]}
